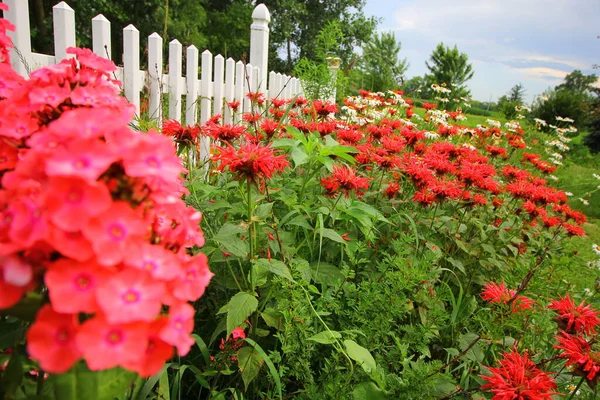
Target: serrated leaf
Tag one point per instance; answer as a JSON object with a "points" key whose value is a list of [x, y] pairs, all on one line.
{"points": [[361, 355], [326, 337], [241, 306], [275, 266], [249, 363]]}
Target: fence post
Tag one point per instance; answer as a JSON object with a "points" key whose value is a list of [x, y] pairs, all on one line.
{"points": [[205, 103], [155, 69], [259, 44], [131, 65], [175, 62], [101, 36], [64, 29], [20, 54], [191, 98], [333, 64]]}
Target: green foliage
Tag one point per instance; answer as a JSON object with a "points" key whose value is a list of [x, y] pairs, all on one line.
{"points": [[295, 23], [317, 80], [450, 66], [381, 64], [564, 103]]}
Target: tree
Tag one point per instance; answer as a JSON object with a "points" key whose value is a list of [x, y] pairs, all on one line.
{"points": [[574, 98], [578, 82], [381, 63], [448, 65], [416, 87], [221, 25], [295, 23], [508, 102], [516, 94]]}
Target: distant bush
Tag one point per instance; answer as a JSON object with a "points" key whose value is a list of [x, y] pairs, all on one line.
{"points": [[478, 111]]}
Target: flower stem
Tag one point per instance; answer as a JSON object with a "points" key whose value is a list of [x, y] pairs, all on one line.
{"points": [[577, 388], [250, 230]]}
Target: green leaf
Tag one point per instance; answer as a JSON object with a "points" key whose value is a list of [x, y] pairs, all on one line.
{"points": [[241, 306], [262, 211], [113, 382], [360, 355], [203, 348], [163, 388], [78, 383], [300, 221], [326, 337], [270, 365], [273, 318], [275, 266], [331, 234], [299, 156], [301, 266], [151, 382], [457, 264], [326, 274], [12, 377], [227, 237], [249, 362], [9, 331], [368, 391]]}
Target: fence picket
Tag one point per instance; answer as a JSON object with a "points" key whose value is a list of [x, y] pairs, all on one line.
{"points": [[240, 83], [64, 29], [229, 89], [20, 54], [175, 61], [218, 85], [191, 105], [131, 65], [101, 36], [205, 94], [231, 81], [155, 68], [248, 81]]}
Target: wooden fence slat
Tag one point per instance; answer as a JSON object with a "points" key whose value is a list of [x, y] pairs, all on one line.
{"points": [[205, 105], [64, 29], [131, 65], [271, 84], [101, 36], [218, 85], [155, 69], [229, 89], [240, 83], [191, 105], [175, 89], [249, 87], [20, 54]]}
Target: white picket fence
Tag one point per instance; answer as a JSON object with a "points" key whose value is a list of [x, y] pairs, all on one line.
{"points": [[220, 81]]}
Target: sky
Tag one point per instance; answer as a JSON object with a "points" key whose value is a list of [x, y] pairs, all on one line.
{"points": [[534, 42]]}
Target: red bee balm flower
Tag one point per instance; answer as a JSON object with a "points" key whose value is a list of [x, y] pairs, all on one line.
{"points": [[579, 353], [574, 319], [519, 378], [252, 161], [499, 294], [345, 179]]}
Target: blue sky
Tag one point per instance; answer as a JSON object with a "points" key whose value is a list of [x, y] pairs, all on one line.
{"points": [[535, 42]]}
